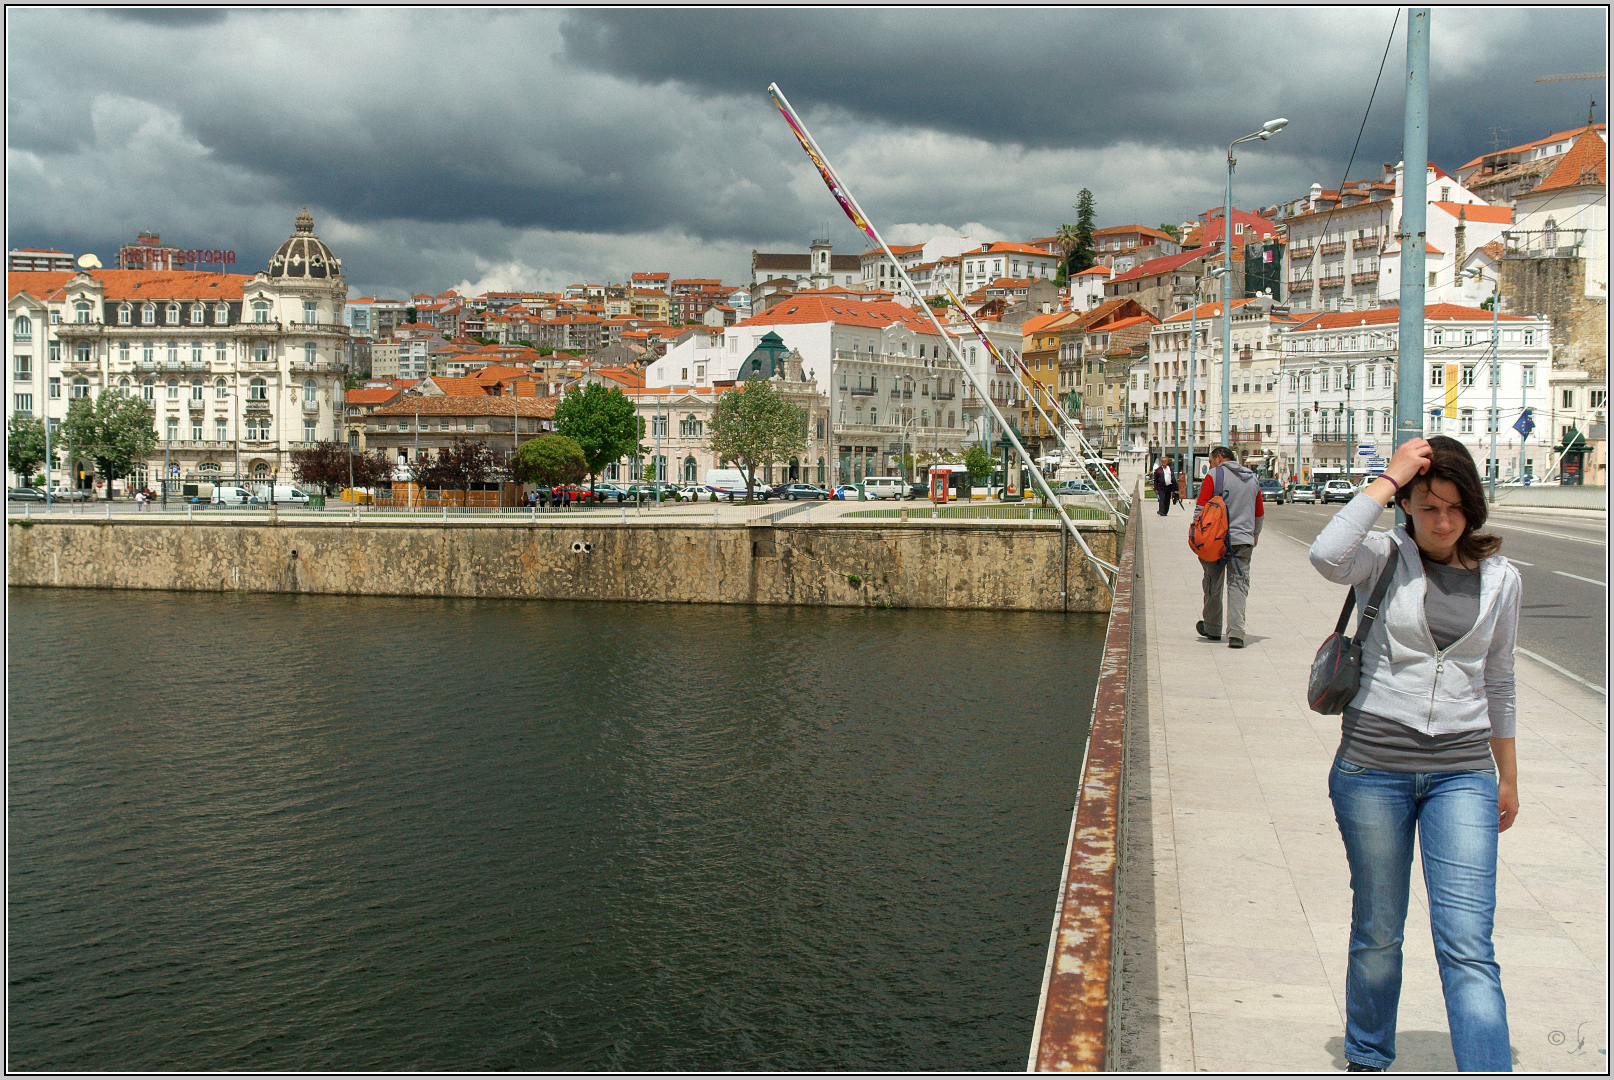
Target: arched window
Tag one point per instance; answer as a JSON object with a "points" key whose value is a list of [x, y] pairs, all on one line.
{"points": [[949, 418], [125, 314], [690, 465], [196, 389], [124, 386], [198, 314], [260, 352], [221, 314], [221, 391], [258, 390], [148, 391], [309, 388], [874, 415], [209, 467], [81, 387], [260, 470], [173, 389], [173, 314], [310, 354], [81, 312], [173, 352], [23, 328], [260, 311], [196, 352], [148, 314], [148, 352]]}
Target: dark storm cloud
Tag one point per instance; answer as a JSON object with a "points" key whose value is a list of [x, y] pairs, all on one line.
{"points": [[443, 142], [1092, 78]]}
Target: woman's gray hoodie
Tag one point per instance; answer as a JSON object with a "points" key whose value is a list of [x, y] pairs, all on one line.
{"points": [[1405, 678]]}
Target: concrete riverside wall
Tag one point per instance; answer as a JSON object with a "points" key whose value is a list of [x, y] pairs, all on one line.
{"points": [[1021, 566], [1560, 497]]}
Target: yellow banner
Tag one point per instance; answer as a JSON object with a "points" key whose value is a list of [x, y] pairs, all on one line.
{"points": [[1451, 391]]}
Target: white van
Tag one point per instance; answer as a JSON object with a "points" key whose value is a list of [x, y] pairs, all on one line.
{"points": [[884, 487], [731, 482], [286, 495], [231, 495]]}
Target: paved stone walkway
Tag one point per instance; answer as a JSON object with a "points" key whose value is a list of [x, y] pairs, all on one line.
{"points": [[1236, 894]]}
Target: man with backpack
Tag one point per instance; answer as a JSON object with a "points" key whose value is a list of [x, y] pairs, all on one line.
{"points": [[1229, 510]]}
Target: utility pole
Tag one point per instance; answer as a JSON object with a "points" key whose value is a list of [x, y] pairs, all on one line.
{"points": [[1414, 216]]}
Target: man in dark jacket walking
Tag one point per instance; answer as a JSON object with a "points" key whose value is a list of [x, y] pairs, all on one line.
{"points": [[1165, 485], [1238, 488]]}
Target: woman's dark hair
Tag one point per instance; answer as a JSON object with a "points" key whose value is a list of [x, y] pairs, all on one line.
{"points": [[1452, 462]]}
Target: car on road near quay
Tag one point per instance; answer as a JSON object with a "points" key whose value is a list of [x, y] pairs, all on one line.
{"points": [[847, 492], [1338, 491], [604, 490], [792, 492], [1272, 489], [1304, 493], [24, 495], [62, 494], [1075, 487]]}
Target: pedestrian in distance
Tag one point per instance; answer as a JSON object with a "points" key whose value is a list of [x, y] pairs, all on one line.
{"points": [[543, 498], [1165, 484], [1238, 488], [1426, 746]]}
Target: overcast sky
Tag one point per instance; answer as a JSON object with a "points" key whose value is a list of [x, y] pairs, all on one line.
{"points": [[528, 149]]}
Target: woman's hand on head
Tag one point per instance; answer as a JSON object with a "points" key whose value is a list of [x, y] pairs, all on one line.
{"points": [[1410, 461]]}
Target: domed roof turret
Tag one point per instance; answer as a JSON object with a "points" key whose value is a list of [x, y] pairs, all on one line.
{"points": [[305, 255]]}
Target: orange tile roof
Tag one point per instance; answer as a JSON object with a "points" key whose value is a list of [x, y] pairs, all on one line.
{"points": [[821, 309], [1555, 137], [1142, 230], [478, 404], [1206, 311], [1097, 269], [1499, 215], [1038, 323], [39, 284], [631, 377], [1584, 163], [452, 386], [1166, 264], [138, 284], [1120, 324], [1344, 320], [371, 396], [1010, 248]]}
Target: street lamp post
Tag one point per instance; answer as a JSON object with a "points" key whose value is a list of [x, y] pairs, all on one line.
{"points": [[1268, 129], [1494, 421]]}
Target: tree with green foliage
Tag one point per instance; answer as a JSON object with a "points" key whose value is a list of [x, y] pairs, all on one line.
{"points": [[1081, 255], [938, 303], [411, 313], [1066, 240], [114, 432], [978, 460], [1170, 230], [550, 460], [755, 425], [25, 446], [603, 422]]}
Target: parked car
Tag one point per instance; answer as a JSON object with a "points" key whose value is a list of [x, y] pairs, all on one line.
{"points": [[604, 490], [651, 490], [1075, 487], [692, 493], [1304, 493], [918, 490], [576, 491], [24, 495], [847, 492], [1338, 491], [884, 487], [62, 494], [1272, 489], [792, 492]]}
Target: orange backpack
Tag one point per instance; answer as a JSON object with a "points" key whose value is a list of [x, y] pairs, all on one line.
{"points": [[1207, 535]]}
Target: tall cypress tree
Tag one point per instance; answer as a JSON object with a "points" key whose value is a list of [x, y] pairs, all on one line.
{"points": [[1081, 257]]}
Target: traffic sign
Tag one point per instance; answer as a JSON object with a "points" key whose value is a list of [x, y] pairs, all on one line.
{"points": [[1366, 448]]}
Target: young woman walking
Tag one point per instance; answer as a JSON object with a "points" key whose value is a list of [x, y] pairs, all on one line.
{"points": [[1426, 747]]}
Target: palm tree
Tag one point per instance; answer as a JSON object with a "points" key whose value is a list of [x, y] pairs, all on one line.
{"points": [[1068, 238]]}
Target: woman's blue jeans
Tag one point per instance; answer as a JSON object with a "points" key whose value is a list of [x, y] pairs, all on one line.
{"points": [[1455, 817]]}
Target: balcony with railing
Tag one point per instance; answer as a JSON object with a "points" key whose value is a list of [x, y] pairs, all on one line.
{"points": [[1302, 284], [1543, 243], [1298, 253], [1336, 282], [1366, 277], [1333, 248], [863, 391]]}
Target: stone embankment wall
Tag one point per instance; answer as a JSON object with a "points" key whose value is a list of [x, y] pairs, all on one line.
{"points": [[999, 565]]}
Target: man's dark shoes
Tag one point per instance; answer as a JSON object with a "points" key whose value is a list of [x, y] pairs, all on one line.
{"points": [[1357, 1066], [1235, 643], [1200, 626]]}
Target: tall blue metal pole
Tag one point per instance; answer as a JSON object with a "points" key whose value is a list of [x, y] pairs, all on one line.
{"points": [[1227, 305], [1414, 218]]}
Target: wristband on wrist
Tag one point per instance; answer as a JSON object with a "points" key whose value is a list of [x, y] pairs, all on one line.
{"points": [[1387, 476]]}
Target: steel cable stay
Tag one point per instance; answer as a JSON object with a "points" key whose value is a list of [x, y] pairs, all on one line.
{"points": [[1106, 571], [1086, 449]]}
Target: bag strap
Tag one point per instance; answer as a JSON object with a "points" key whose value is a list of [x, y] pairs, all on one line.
{"points": [[1371, 610]]}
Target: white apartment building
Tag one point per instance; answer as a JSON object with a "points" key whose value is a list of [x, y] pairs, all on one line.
{"points": [[883, 369], [879, 273], [236, 371], [1337, 389], [986, 263], [1187, 411]]}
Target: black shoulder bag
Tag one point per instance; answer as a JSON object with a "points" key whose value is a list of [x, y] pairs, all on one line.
{"points": [[1336, 673]]}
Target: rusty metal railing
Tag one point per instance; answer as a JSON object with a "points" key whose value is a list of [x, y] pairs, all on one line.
{"points": [[1073, 1029]]}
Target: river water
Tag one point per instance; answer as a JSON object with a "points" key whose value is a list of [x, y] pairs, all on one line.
{"points": [[299, 833]]}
